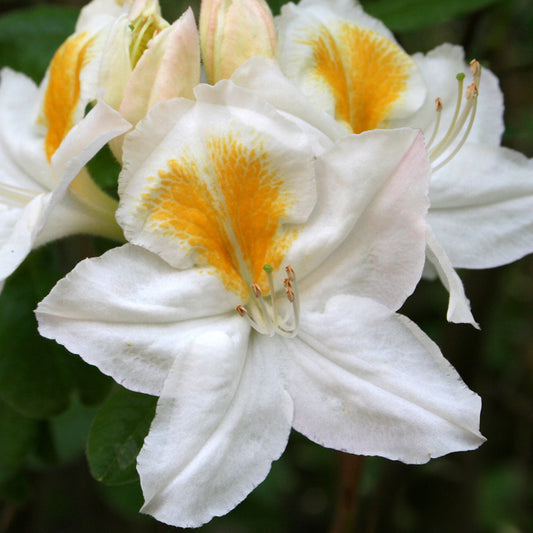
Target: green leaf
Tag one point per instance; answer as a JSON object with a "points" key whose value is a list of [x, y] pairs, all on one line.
{"points": [[17, 434], [275, 5], [34, 374], [117, 435], [29, 37], [403, 15], [70, 431], [15, 489]]}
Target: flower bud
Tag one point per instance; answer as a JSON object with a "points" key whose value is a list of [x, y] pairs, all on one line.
{"points": [[232, 31], [169, 67]]}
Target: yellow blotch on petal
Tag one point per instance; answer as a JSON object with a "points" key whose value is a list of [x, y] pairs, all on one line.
{"points": [[366, 73], [62, 96], [227, 210]]}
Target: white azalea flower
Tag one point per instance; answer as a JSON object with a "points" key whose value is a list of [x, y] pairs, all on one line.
{"points": [[349, 65], [256, 296], [45, 192]]}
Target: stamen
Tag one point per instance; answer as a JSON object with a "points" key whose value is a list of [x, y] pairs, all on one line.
{"points": [[265, 316], [242, 311], [459, 119], [444, 143], [290, 273], [475, 69], [438, 110], [294, 294], [470, 95]]}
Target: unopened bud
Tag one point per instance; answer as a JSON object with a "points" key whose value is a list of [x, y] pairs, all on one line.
{"points": [[233, 31]]}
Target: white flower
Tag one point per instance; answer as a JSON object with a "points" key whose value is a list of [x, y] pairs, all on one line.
{"points": [[349, 65], [256, 295], [45, 192]]}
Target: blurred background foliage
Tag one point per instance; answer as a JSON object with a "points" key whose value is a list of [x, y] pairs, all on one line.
{"points": [[51, 402]]}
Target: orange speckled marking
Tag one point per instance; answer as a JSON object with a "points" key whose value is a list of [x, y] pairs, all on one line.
{"points": [[365, 72], [63, 92], [227, 209]]}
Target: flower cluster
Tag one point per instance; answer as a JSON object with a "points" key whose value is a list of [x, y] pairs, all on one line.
{"points": [[276, 217]]}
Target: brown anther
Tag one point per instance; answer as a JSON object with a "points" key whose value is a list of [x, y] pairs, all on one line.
{"points": [[475, 68], [290, 273], [287, 283], [472, 91], [241, 310], [438, 105], [290, 294], [256, 289]]}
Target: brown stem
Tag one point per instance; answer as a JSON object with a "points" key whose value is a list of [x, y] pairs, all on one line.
{"points": [[351, 467]]}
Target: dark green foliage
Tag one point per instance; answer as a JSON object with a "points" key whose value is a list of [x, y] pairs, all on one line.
{"points": [[29, 37], [117, 435]]}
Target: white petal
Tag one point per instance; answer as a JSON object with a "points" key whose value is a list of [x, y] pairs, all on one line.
{"points": [[97, 12], [458, 305], [115, 64], [482, 206], [264, 78], [325, 10], [128, 313], [85, 209], [177, 130], [222, 418], [375, 188], [18, 226], [84, 140], [367, 381], [22, 155]]}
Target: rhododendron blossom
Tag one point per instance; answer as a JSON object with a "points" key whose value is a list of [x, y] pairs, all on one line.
{"points": [[257, 293]]}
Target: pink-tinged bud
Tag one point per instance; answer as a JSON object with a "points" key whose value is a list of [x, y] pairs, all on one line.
{"points": [[233, 31], [169, 67]]}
